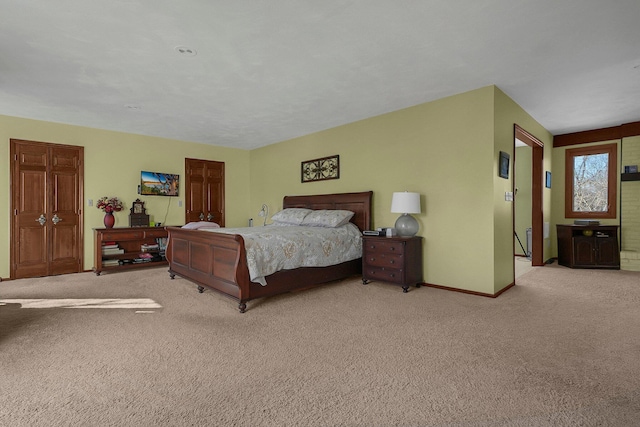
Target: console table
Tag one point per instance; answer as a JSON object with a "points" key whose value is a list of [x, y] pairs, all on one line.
{"points": [[121, 248], [588, 246]]}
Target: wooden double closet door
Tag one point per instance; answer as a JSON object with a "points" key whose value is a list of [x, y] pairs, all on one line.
{"points": [[204, 191], [46, 209]]}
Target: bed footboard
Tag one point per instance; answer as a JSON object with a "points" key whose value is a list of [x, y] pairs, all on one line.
{"points": [[211, 260]]}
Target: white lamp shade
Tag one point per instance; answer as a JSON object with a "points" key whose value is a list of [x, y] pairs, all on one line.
{"points": [[405, 202]]}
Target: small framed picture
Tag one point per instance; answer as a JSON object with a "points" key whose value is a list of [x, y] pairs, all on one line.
{"points": [[321, 169], [547, 179], [503, 165]]}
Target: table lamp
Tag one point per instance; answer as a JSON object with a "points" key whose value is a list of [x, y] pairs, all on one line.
{"points": [[406, 203], [264, 212]]}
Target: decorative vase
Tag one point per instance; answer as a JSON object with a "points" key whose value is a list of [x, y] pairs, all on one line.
{"points": [[109, 220]]}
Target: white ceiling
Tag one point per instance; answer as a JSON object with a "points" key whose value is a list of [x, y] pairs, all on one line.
{"points": [[267, 71]]}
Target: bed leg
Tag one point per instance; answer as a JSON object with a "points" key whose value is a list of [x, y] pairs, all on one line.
{"points": [[242, 307], [172, 275], [200, 289]]}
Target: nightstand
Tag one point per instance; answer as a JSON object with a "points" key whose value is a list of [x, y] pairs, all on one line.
{"points": [[395, 260]]}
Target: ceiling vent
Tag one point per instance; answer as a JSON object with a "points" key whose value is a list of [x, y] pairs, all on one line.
{"points": [[186, 51]]}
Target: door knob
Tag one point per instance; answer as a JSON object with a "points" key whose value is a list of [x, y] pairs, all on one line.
{"points": [[209, 217], [55, 219], [41, 219], [201, 216]]}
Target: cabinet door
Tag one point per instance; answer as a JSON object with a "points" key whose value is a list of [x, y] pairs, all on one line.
{"points": [[583, 251], [607, 251]]}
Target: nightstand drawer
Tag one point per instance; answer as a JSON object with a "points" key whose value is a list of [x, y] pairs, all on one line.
{"points": [[378, 259], [384, 274], [384, 246]]}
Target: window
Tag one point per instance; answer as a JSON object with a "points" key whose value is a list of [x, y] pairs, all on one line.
{"points": [[590, 186]]}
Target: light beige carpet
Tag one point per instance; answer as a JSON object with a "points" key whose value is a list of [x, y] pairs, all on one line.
{"points": [[522, 266], [562, 348]]}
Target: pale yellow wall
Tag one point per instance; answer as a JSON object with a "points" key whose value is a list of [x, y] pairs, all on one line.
{"points": [[113, 162], [522, 197], [557, 211], [507, 112], [443, 149], [630, 198]]}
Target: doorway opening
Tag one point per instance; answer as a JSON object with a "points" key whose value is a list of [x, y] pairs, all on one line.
{"points": [[530, 193]]}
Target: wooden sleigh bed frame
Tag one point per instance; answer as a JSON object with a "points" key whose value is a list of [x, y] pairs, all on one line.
{"points": [[218, 261]]}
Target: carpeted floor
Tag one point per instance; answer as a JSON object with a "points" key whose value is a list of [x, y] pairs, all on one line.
{"points": [[562, 348]]}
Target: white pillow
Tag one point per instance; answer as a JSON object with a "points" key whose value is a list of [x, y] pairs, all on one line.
{"points": [[200, 225], [292, 216], [327, 218]]}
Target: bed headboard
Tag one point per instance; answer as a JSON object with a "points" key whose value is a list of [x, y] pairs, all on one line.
{"points": [[360, 203]]}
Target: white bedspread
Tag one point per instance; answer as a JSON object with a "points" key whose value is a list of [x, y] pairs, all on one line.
{"points": [[273, 248]]}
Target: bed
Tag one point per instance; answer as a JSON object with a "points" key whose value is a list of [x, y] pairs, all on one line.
{"points": [[218, 261]]}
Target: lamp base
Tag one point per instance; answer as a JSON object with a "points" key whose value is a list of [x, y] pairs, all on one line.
{"points": [[406, 226]]}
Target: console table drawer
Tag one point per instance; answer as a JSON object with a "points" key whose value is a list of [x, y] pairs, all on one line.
{"points": [[160, 232], [122, 235]]}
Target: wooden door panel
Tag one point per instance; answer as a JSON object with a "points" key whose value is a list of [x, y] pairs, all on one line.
{"points": [[64, 189], [64, 251], [196, 206], [30, 202], [194, 184], [31, 188], [65, 210], [31, 252], [215, 192], [32, 156]]}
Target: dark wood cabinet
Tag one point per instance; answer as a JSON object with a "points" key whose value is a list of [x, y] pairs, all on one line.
{"points": [[588, 246], [127, 247], [392, 259]]}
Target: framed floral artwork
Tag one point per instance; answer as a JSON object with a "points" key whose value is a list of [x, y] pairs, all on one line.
{"points": [[321, 169]]}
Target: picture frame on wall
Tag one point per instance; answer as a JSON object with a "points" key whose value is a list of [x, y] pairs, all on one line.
{"points": [[320, 169], [547, 179], [503, 165]]}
